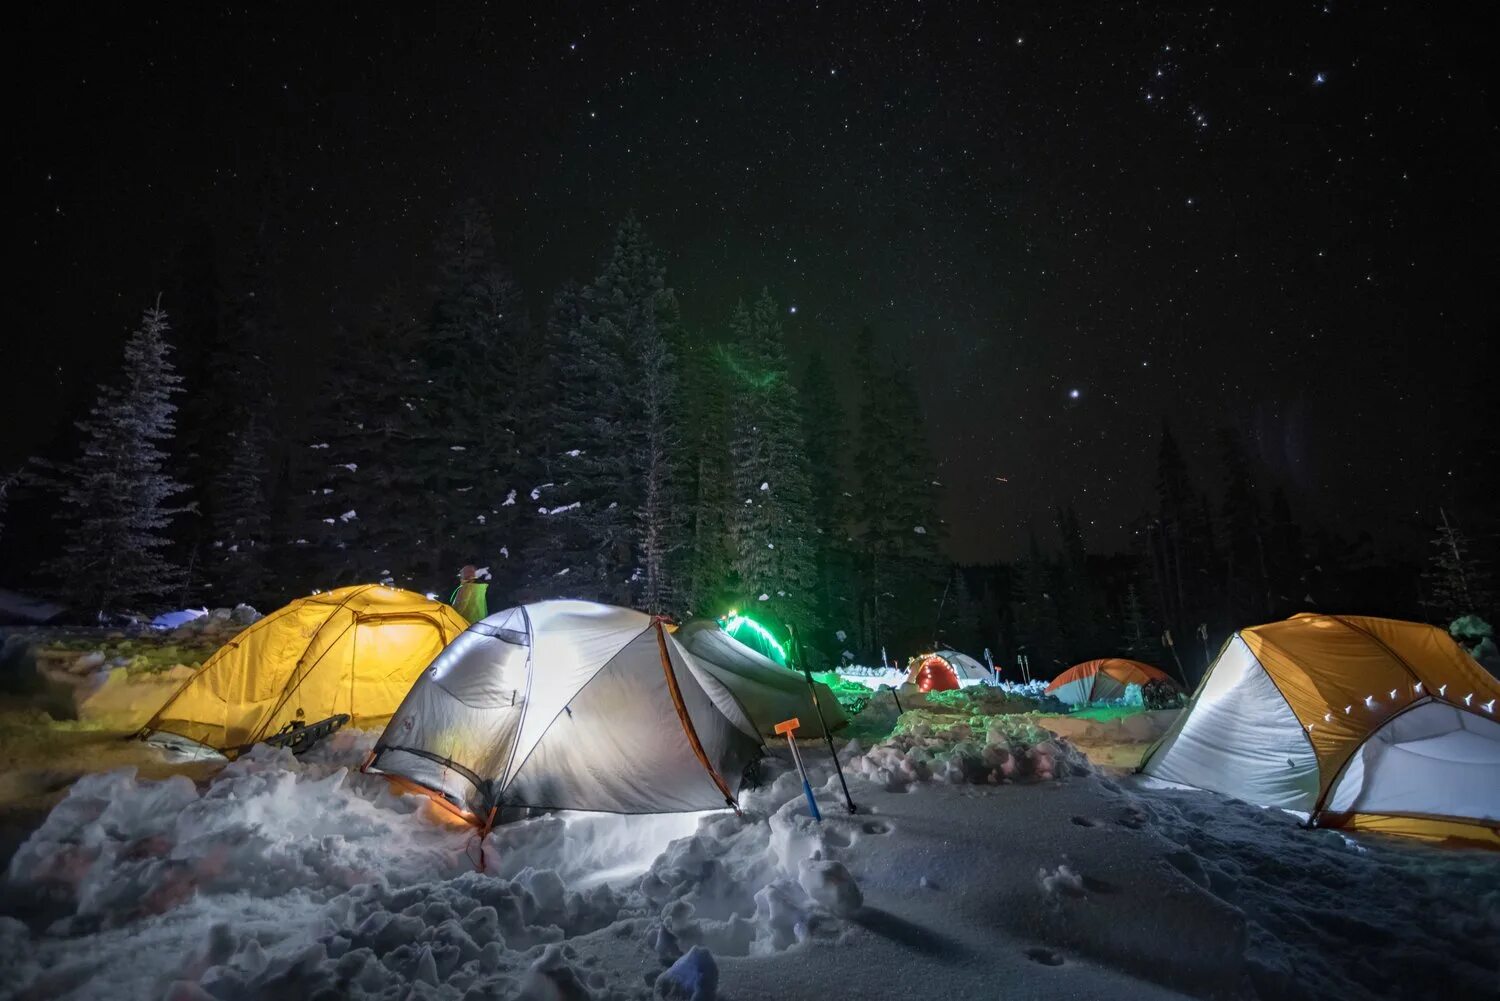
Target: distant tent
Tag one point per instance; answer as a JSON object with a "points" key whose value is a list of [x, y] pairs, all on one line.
{"points": [[568, 705], [945, 671], [355, 650], [1103, 680], [1363, 723], [767, 692]]}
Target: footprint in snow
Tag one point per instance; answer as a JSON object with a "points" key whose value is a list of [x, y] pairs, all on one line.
{"points": [[1085, 822], [1047, 957], [877, 827]]}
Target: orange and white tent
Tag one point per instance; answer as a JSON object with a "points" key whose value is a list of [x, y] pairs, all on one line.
{"points": [[1102, 680], [1365, 723]]}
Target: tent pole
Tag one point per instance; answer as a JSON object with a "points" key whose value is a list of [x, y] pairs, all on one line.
{"points": [[813, 691]]}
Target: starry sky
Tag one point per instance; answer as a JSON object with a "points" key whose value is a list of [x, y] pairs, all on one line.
{"points": [[1072, 221]]}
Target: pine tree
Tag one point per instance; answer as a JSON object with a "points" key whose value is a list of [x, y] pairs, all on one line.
{"points": [[895, 512], [234, 493], [1139, 638], [823, 425], [587, 542], [357, 493], [116, 496], [959, 625], [1245, 586], [1081, 613], [658, 521], [8, 482], [709, 564], [1285, 557], [465, 449], [1038, 634], [771, 522], [1182, 544], [1456, 584]]}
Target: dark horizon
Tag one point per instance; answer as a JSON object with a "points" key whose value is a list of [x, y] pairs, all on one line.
{"points": [[1273, 224]]}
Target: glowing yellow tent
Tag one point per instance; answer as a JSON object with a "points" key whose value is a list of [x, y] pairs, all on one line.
{"points": [[356, 650], [1359, 722]]}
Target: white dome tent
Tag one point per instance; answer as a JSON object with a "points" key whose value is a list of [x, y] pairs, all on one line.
{"points": [[567, 705]]}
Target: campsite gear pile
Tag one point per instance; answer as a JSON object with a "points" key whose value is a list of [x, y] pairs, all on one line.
{"points": [[1362, 723]]}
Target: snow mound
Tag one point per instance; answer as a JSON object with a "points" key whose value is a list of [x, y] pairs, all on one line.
{"points": [[292, 876], [976, 750]]}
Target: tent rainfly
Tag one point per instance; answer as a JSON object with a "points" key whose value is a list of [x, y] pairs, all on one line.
{"points": [[355, 650], [1103, 680], [568, 705], [767, 692], [945, 671], [1361, 723]]}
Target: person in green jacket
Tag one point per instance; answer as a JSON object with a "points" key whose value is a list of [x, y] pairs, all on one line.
{"points": [[470, 599]]}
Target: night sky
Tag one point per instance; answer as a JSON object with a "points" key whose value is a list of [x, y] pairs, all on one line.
{"points": [[1072, 223]]}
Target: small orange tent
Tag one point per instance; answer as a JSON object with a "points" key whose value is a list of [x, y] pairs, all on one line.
{"points": [[1102, 680]]}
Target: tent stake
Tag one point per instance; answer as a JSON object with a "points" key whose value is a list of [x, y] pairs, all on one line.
{"points": [[812, 690]]}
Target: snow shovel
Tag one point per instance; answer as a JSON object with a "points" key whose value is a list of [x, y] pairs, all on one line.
{"points": [[812, 690], [787, 727]]}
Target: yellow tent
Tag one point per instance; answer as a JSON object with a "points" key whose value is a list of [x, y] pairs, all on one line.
{"points": [[356, 650], [1360, 722]]}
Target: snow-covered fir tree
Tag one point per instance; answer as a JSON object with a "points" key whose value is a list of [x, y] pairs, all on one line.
{"points": [[708, 567], [1455, 583], [658, 518], [465, 449], [8, 482], [770, 517], [234, 502], [117, 498], [589, 512], [1138, 638], [1246, 593], [356, 493]]}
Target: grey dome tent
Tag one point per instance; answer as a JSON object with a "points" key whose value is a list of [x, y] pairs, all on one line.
{"points": [[766, 692], [567, 705]]}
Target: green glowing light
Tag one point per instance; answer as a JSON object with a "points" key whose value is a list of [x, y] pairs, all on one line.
{"points": [[755, 636]]}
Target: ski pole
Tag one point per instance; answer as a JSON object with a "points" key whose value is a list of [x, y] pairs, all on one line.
{"points": [[813, 690], [786, 727]]}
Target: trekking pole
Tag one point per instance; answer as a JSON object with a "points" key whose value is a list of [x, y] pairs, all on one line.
{"points": [[892, 690], [813, 690], [786, 727]]}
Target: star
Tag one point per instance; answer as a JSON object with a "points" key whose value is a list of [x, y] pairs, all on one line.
{"points": [[792, 309], [1319, 80], [1074, 394]]}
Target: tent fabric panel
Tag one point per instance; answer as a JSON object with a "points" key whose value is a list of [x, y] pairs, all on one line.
{"points": [[767, 692], [1108, 688], [620, 746], [1434, 759], [964, 666], [571, 642], [1240, 738], [1473, 833], [1076, 691], [1339, 674], [466, 708]]}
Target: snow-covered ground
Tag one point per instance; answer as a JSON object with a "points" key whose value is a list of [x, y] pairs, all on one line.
{"points": [[987, 859]]}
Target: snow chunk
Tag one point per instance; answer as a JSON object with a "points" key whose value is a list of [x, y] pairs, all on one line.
{"points": [[321, 444], [574, 453], [353, 467], [765, 485], [457, 448], [764, 597], [830, 884], [536, 492], [559, 510], [510, 499], [348, 515], [1062, 881], [694, 977], [920, 530]]}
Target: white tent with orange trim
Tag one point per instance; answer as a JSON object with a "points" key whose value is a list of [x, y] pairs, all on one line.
{"points": [[568, 705], [354, 651], [1364, 723]]}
